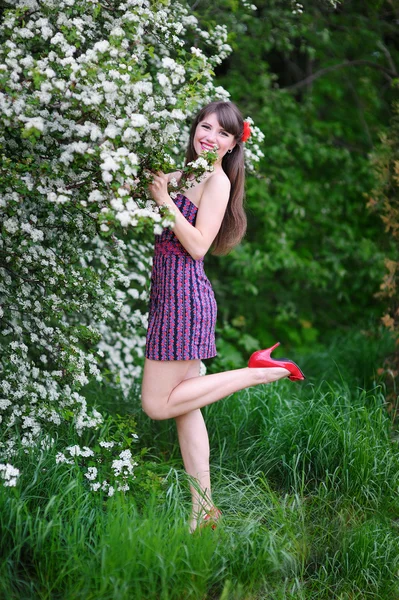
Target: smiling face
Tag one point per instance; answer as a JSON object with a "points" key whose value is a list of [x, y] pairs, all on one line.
{"points": [[209, 133]]}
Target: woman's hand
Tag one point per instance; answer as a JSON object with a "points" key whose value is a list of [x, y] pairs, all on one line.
{"points": [[159, 188]]}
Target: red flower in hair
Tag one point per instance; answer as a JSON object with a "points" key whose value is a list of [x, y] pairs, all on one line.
{"points": [[246, 134]]}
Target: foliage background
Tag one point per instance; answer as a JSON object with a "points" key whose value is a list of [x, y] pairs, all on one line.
{"points": [[320, 85]]}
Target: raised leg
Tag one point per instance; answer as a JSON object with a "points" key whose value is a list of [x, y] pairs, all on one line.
{"points": [[168, 393]]}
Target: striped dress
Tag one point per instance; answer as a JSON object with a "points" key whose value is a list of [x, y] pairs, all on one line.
{"points": [[182, 313]]}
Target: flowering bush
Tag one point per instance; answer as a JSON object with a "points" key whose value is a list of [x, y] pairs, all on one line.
{"points": [[93, 97]]}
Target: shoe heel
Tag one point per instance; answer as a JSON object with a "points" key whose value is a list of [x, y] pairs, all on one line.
{"points": [[262, 358]]}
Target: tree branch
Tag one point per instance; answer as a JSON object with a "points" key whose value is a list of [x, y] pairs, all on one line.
{"points": [[388, 57], [34, 281], [389, 74]]}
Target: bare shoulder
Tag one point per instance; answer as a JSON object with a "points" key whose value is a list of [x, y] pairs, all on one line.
{"points": [[213, 203], [217, 183]]}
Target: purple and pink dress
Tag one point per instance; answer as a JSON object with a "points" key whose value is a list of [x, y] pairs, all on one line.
{"points": [[182, 312]]}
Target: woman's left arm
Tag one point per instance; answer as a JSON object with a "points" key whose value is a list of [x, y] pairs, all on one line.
{"points": [[215, 196]]}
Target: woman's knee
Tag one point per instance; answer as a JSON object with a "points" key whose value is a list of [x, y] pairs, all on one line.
{"points": [[154, 410]]}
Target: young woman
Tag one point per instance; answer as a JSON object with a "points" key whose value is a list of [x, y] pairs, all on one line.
{"points": [[182, 313]]}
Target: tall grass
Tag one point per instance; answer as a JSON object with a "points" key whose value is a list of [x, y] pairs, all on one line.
{"points": [[306, 476]]}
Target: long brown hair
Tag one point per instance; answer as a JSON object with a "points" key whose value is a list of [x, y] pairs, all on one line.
{"points": [[234, 222]]}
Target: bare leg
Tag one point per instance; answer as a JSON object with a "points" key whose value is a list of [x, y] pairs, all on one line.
{"points": [[167, 393], [194, 446]]}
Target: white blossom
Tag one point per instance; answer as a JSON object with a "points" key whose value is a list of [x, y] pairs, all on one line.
{"points": [[91, 473], [35, 122], [105, 444], [9, 474]]}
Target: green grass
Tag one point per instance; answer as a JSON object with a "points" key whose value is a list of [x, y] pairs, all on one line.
{"points": [[306, 475]]}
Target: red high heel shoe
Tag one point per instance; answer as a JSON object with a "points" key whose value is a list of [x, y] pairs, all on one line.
{"points": [[261, 358]]}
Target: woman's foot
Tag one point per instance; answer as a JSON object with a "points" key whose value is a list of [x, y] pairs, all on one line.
{"points": [[268, 374], [262, 359], [206, 518]]}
